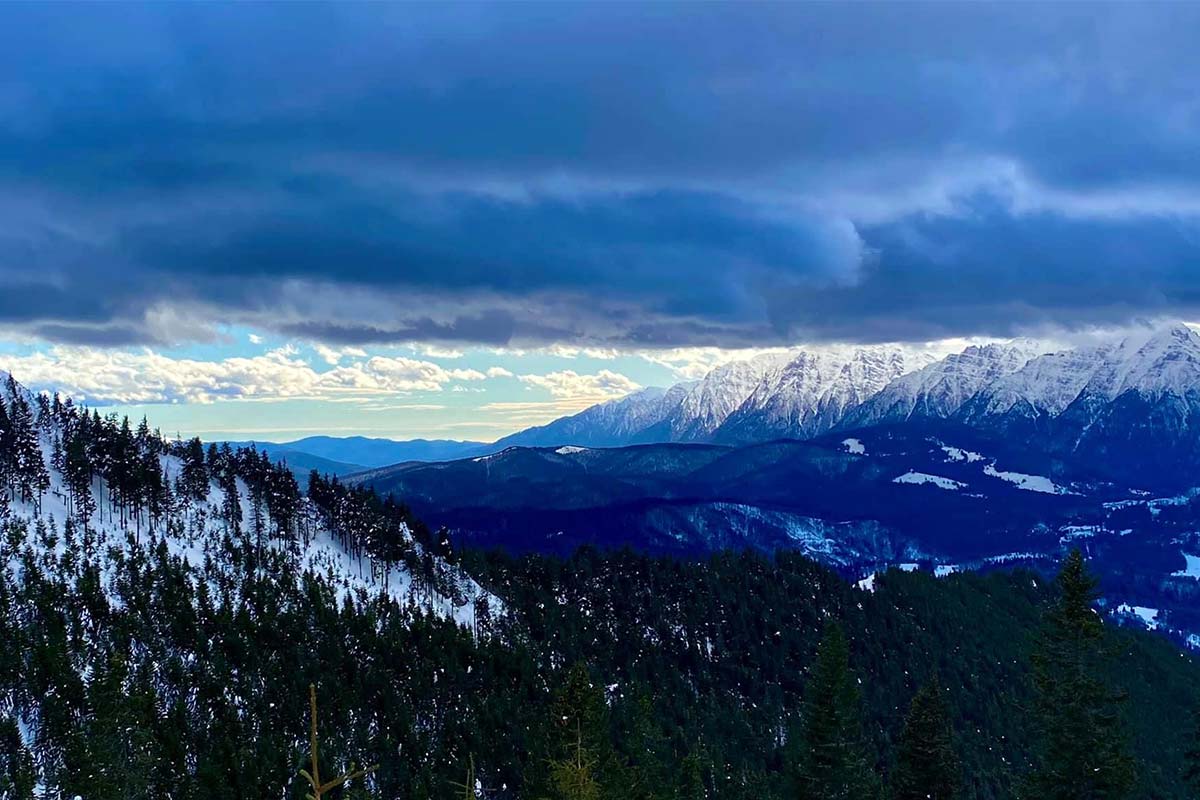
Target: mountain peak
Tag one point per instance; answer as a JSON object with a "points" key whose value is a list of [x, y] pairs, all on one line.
{"points": [[1173, 334], [1165, 360], [939, 389], [811, 393]]}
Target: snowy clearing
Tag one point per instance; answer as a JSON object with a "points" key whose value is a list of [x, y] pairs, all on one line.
{"points": [[957, 454], [1030, 483], [1192, 570], [920, 478]]}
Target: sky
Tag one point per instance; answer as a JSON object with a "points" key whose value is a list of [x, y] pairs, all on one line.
{"points": [[457, 220]]}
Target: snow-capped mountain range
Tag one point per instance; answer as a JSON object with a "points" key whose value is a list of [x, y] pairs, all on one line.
{"points": [[812, 392], [1147, 382]]}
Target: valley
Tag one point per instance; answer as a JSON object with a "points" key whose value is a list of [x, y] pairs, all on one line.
{"points": [[996, 456]]}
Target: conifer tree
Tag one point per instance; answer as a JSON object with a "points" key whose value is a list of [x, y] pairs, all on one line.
{"points": [[1191, 757], [470, 784], [319, 788], [1083, 750], [573, 777], [691, 783], [17, 774], [927, 766], [8, 450], [833, 762], [194, 474], [580, 751]]}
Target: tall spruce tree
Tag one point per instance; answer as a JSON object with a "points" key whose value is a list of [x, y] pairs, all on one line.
{"points": [[575, 775], [17, 774], [1083, 751], [927, 766], [1191, 758], [580, 758], [832, 763]]}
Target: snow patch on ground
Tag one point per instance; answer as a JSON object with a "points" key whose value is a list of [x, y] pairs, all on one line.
{"points": [[942, 570], [920, 478], [957, 454], [1030, 483], [1147, 616], [1069, 533], [854, 446], [1005, 558], [867, 584], [1192, 570], [1156, 504], [567, 450]]}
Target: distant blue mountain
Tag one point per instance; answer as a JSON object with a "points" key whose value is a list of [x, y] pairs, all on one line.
{"points": [[300, 462], [371, 453]]}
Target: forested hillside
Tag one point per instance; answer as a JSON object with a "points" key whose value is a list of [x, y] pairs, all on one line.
{"points": [[164, 607]]}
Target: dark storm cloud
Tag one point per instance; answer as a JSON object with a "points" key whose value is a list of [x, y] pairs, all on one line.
{"points": [[941, 276], [657, 174], [495, 328]]}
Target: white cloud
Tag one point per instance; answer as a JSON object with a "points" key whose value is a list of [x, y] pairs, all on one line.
{"points": [[334, 355], [523, 414], [255, 338], [693, 363], [567, 351], [603, 385], [498, 372], [436, 351], [103, 376]]}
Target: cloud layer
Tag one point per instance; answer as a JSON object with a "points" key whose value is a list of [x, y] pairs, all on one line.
{"points": [[99, 376], [604, 176]]}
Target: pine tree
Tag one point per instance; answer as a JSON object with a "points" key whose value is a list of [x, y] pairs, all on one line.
{"points": [[833, 762], [193, 476], [577, 749], [691, 779], [1083, 752], [17, 774], [574, 777], [78, 477], [470, 785], [927, 766], [8, 452], [319, 788], [1191, 757]]}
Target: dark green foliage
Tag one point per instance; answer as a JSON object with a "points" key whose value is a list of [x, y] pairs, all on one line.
{"points": [[927, 766], [1082, 751], [694, 668], [832, 761], [17, 775], [577, 758], [1191, 758]]}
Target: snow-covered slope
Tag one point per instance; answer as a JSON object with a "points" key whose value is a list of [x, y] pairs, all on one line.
{"points": [[812, 392], [198, 533], [938, 390], [1155, 364], [1167, 361], [1044, 386], [614, 423], [709, 402]]}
